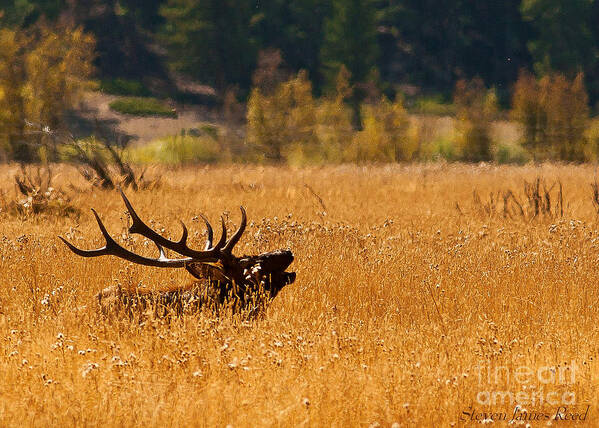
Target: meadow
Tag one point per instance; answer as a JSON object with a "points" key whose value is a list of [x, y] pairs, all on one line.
{"points": [[420, 300]]}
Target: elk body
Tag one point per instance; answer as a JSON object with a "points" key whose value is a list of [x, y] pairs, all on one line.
{"points": [[244, 283]]}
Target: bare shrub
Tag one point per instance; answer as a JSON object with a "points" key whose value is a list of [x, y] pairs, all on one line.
{"points": [[104, 165], [537, 200], [35, 195]]}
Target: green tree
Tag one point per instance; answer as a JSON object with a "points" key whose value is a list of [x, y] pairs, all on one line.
{"points": [[23, 13], [434, 43], [564, 37], [210, 40], [350, 41], [145, 13], [296, 28]]}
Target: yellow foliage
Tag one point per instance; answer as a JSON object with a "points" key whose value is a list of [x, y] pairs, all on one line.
{"points": [[290, 125], [554, 114], [343, 85], [332, 128], [527, 110], [11, 76], [288, 117], [57, 70], [42, 73], [591, 149], [476, 108], [334, 131], [386, 134]]}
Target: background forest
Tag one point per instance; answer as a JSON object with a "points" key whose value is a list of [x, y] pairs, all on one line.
{"points": [[308, 81]]}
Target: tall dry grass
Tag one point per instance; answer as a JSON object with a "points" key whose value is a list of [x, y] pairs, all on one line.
{"points": [[400, 299]]}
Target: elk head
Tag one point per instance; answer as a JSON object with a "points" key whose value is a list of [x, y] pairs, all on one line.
{"points": [[225, 277]]}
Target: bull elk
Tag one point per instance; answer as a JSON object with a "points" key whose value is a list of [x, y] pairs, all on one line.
{"points": [[244, 282]]}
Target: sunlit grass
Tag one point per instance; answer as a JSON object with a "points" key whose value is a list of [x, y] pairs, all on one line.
{"points": [[400, 298]]}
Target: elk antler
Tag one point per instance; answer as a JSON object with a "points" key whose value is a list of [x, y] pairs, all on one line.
{"points": [[222, 249]]}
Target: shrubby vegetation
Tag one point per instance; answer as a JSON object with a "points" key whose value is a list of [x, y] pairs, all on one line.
{"points": [[554, 114], [291, 125], [143, 106], [286, 123], [35, 194], [286, 118], [42, 73], [180, 150], [385, 134], [476, 108]]}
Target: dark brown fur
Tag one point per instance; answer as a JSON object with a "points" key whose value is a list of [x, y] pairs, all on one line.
{"points": [[254, 281]]}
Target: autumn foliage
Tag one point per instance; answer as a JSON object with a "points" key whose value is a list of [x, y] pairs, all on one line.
{"points": [[43, 71], [554, 114]]}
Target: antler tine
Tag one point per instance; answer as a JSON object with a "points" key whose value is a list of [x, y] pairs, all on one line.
{"points": [[85, 253], [139, 227], [228, 248], [223, 236], [183, 239], [112, 248], [210, 232]]}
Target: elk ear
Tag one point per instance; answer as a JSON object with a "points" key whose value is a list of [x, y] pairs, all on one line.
{"points": [[213, 271]]}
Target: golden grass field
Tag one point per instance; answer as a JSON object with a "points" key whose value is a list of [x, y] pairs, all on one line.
{"points": [[406, 310]]}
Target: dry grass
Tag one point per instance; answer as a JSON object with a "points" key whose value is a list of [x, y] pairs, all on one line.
{"points": [[399, 298]]}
